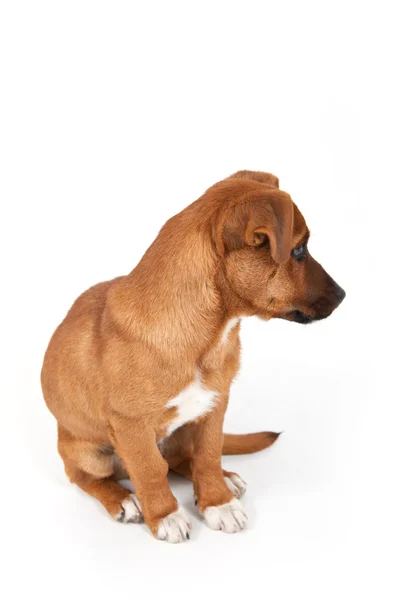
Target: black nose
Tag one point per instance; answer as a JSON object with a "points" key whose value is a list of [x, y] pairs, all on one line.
{"points": [[339, 292]]}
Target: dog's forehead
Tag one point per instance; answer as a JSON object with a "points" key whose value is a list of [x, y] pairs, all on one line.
{"points": [[300, 230]]}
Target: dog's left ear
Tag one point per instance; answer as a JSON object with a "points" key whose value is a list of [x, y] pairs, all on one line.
{"points": [[254, 219]]}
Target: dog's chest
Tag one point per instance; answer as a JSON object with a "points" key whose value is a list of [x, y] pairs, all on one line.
{"points": [[196, 399], [192, 402]]}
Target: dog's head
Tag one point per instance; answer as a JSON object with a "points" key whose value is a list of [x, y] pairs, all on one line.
{"points": [[263, 240]]}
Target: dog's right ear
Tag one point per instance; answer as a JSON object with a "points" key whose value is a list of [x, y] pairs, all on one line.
{"points": [[267, 178], [259, 217]]}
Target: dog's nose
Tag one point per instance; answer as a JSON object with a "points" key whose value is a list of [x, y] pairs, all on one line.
{"points": [[339, 292]]}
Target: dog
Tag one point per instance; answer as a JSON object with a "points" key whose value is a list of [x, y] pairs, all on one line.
{"points": [[138, 373]]}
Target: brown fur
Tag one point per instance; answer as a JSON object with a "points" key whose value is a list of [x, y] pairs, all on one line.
{"points": [[129, 345]]}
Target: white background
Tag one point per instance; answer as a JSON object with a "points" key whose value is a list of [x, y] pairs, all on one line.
{"points": [[116, 115]]}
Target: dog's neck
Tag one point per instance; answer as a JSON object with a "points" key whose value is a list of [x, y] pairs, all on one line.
{"points": [[172, 300]]}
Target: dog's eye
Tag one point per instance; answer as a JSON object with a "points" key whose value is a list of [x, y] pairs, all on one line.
{"points": [[299, 252]]}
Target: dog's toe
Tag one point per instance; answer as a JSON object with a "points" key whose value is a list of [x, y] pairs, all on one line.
{"points": [[174, 528], [229, 517], [235, 484], [130, 511]]}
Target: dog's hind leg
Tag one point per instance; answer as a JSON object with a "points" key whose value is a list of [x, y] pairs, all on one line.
{"points": [[93, 468]]}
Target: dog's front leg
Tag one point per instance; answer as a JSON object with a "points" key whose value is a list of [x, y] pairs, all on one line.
{"points": [[135, 444], [216, 503]]}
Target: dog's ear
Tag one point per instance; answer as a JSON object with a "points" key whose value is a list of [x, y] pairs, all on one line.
{"points": [[256, 218], [267, 178]]}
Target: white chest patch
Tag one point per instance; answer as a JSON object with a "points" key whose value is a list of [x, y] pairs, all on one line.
{"points": [[192, 402]]}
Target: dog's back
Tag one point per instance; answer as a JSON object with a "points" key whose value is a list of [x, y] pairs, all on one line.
{"points": [[72, 379]]}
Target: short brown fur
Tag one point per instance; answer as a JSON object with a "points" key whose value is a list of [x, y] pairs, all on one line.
{"points": [[129, 345]]}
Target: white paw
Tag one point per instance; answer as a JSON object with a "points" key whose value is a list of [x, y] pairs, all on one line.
{"points": [[175, 527], [130, 511], [236, 485], [228, 517]]}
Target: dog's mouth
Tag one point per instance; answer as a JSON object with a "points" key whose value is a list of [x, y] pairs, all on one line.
{"points": [[298, 316]]}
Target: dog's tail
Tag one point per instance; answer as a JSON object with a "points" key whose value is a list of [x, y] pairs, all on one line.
{"points": [[248, 443]]}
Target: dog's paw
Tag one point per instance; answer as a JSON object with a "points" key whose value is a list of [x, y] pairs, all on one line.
{"points": [[236, 485], [228, 517], [130, 511], [174, 528]]}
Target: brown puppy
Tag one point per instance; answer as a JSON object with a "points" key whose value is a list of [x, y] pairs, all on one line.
{"points": [[138, 373]]}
